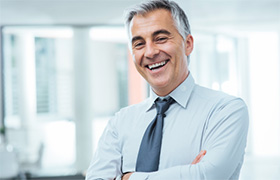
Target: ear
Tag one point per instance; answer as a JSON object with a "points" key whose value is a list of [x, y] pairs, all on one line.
{"points": [[188, 45]]}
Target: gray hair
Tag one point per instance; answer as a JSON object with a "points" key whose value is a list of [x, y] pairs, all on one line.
{"points": [[179, 16]]}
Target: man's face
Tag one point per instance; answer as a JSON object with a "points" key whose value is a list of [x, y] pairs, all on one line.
{"points": [[159, 51]]}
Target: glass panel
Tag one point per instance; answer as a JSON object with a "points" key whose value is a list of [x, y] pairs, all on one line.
{"points": [[38, 95], [49, 114], [213, 62]]}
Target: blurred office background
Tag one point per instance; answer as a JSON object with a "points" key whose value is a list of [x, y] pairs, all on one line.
{"points": [[66, 69]]}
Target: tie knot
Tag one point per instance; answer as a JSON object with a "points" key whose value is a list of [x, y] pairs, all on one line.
{"points": [[162, 105]]}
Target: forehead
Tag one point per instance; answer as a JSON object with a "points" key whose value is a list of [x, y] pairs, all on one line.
{"points": [[151, 21]]}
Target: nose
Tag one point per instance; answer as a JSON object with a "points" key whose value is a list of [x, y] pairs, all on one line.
{"points": [[151, 50]]}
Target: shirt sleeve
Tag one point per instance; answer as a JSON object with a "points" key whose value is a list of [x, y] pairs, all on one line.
{"points": [[224, 139], [106, 162]]}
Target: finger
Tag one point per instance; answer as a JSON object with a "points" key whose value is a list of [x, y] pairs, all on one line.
{"points": [[126, 175], [199, 157], [196, 159]]}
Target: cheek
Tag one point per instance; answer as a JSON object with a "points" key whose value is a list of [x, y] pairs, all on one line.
{"points": [[172, 49], [137, 58]]}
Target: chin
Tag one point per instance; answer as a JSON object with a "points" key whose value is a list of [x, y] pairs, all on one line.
{"points": [[159, 85]]}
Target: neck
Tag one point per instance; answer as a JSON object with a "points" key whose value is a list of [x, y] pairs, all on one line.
{"points": [[162, 92]]}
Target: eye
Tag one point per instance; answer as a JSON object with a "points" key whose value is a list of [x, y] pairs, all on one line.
{"points": [[138, 45], [161, 39]]}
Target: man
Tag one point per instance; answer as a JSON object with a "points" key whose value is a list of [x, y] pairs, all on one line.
{"points": [[202, 132]]}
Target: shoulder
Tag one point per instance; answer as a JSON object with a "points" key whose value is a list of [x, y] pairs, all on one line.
{"points": [[128, 116], [134, 108], [220, 106], [223, 108], [131, 112], [216, 98]]}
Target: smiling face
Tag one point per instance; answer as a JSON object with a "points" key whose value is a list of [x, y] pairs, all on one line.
{"points": [[159, 51]]}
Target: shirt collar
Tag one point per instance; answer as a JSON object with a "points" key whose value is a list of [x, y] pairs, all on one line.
{"points": [[181, 94]]}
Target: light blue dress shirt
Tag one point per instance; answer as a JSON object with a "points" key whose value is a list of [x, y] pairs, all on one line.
{"points": [[201, 119]]}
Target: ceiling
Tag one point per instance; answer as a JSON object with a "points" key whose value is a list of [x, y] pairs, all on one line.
{"points": [[203, 14]]}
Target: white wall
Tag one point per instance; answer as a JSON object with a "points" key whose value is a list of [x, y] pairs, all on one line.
{"points": [[264, 66]]}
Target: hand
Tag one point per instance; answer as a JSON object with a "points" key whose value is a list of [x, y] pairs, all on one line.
{"points": [[199, 157], [126, 176]]}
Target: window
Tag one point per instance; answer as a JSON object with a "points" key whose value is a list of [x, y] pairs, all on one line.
{"points": [[38, 94], [61, 85]]}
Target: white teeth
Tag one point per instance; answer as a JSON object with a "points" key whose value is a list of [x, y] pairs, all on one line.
{"points": [[157, 65]]}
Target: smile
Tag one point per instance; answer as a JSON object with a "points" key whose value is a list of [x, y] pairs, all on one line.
{"points": [[157, 65]]}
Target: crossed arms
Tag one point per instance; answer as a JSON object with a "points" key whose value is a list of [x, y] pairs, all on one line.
{"points": [[224, 140], [195, 161]]}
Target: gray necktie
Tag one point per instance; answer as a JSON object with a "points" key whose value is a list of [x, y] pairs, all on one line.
{"points": [[149, 151]]}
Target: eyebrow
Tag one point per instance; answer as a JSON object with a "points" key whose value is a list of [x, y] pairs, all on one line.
{"points": [[136, 38], [161, 31]]}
